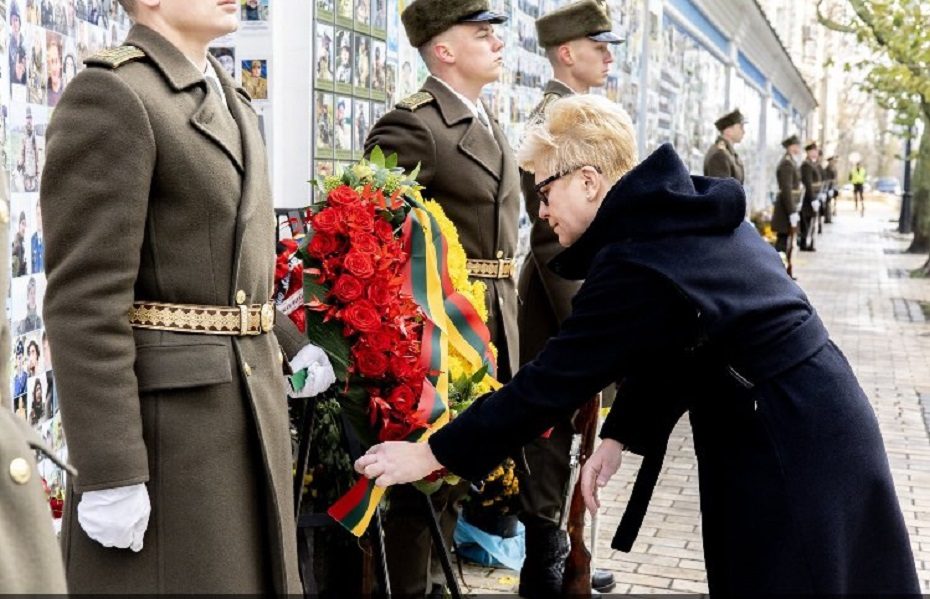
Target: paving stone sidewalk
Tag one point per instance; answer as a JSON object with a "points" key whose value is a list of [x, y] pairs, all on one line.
{"points": [[858, 282]]}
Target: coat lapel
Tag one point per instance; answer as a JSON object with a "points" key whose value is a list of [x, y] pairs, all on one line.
{"points": [[209, 120], [477, 143]]}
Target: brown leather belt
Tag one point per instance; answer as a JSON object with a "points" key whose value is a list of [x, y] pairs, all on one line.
{"points": [[502, 268], [206, 320]]}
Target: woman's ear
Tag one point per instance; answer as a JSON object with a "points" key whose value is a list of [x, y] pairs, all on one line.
{"points": [[592, 183]]}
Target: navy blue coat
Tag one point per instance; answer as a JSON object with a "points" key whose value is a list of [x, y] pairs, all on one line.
{"points": [[691, 311]]}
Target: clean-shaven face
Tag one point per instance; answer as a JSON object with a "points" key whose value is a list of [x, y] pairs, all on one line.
{"points": [[201, 19], [592, 61], [478, 51]]}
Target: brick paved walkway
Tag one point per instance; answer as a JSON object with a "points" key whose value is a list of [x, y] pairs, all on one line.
{"points": [[875, 317]]}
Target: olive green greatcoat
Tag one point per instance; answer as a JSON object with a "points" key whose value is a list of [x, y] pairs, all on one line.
{"points": [[722, 161], [154, 191], [474, 177], [788, 199]]}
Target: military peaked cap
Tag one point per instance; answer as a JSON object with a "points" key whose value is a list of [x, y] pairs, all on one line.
{"points": [[585, 18], [728, 120], [425, 19], [791, 141], [811, 146]]}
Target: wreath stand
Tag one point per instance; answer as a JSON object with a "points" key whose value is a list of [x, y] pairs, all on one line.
{"points": [[372, 543]]}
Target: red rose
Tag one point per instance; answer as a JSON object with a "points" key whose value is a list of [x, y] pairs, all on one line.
{"points": [[403, 399], [370, 363], [326, 221], [366, 244], [360, 265], [360, 218], [383, 230], [381, 296], [343, 196], [380, 340], [362, 316], [403, 368], [322, 245], [394, 430], [348, 289]]}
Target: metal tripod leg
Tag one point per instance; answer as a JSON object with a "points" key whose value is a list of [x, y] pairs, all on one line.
{"points": [[439, 545]]}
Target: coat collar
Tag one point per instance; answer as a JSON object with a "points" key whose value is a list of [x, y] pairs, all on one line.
{"points": [[177, 69], [558, 88], [476, 143]]}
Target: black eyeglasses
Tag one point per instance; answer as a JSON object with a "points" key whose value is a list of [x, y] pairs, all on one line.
{"points": [[544, 195]]}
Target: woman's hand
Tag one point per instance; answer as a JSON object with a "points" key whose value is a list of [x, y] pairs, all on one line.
{"points": [[597, 471], [397, 462]]}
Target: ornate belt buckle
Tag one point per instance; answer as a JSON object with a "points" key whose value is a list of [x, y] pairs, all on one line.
{"points": [[268, 316]]}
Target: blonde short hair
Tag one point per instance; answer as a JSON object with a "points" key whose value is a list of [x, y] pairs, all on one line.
{"points": [[581, 130]]}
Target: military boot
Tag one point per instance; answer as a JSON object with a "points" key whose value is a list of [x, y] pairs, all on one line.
{"points": [[541, 575]]}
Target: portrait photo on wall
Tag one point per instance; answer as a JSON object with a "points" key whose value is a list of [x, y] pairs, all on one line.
{"points": [[343, 128], [254, 10], [343, 61], [323, 122], [363, 16], [27, 141], [325, 10], [378, 73], [362, 118], [379, 18], [362, 64], [35, 65], [255, 78], [54, 67], [27, 294], [344, 13], [323, 70], [226, 56]]}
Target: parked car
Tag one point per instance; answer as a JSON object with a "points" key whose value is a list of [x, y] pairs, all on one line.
{"points": [[888, 185]]}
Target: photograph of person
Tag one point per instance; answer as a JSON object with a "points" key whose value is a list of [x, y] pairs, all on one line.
{"points": [[325, 6], [344, 59], [37, 407], [19, 367], [20, 406], [362, 62], [69, 25], [323, 168], [53, 58], [379, 15], [362, 117], [32, 12], [362, 13], [408, 81], [18, 253], [32, 321], [27, 163], [324, 52], [37, 247], [17, 39], [379, 51], [342, 139], [255, 78], [33, 355], [36, 72], [227, 58], [254, 10], [344, 9], [390, 83], [324, 121], [69, 67]]}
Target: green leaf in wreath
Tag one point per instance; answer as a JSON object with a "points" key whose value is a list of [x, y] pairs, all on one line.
{"points": [[377, 157], [391, 162], [328, 336]]}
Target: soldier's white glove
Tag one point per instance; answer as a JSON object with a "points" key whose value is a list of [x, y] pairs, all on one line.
{"points": [[319, 371], [794, 218], [816, 205], [116, 517]]}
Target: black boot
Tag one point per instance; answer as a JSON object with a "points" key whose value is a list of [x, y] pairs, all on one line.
{"points": [[541, 575], [602, 581]]}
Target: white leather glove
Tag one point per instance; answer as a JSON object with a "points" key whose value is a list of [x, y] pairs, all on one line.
{"points": [[816, 205], [794, 218], [320, 375], [116, 517]]}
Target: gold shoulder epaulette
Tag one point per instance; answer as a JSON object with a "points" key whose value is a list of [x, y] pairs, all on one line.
{"points": [[539, 113], [415, 101], [114, 58], [721, 145]]}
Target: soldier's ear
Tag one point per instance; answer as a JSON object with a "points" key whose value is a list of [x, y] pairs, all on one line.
{"points": [[566, 56]]}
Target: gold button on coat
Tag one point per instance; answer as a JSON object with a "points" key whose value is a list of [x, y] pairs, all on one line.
{"points": [[240, 297], [20, 471], [246, 369]]}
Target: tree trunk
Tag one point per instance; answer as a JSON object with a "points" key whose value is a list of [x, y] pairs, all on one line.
{"points": [[921, 192]]}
